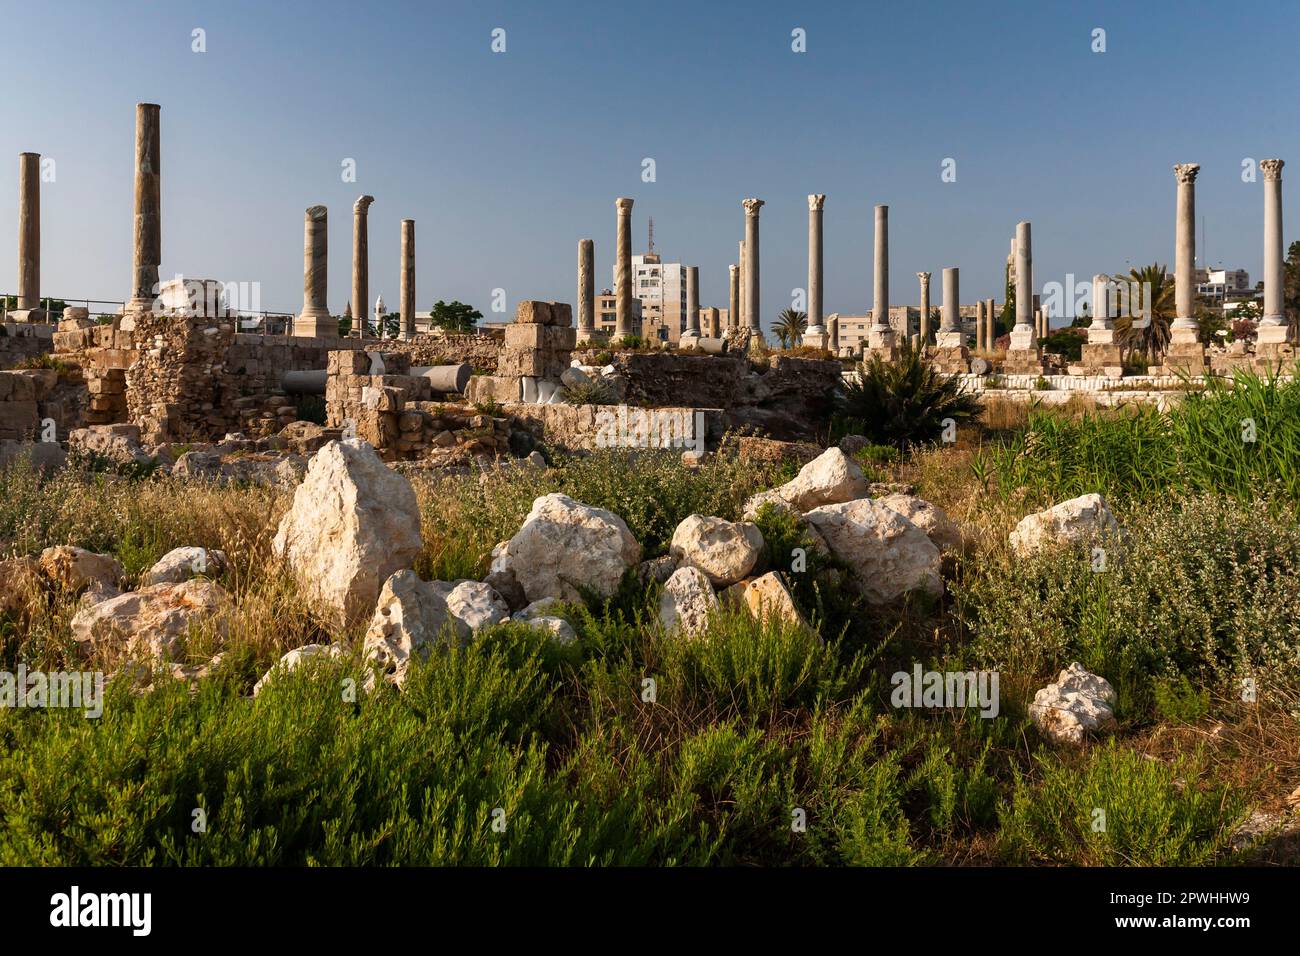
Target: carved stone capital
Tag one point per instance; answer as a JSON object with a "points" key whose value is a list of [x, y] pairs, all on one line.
{"points": [[816, 201], [924, 277], [1272, 169], [752, 206], [623, 204], [1186, 173], [362, 205]]}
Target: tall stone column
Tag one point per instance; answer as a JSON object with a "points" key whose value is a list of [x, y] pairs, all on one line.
{"points": [[1022, 336], [816, 202], [1273, 328], [29, 232], [925, 307], [693, 300], [314, 320], [833, 330], [623, 269], [361, 262], [880, 281], [951, 319], [407, 303], [1100, 351], [741, 319], [146, 251], [991, 326], [753, 314], [586, 290], [1185, 246], [979, 326], [733, 297]]}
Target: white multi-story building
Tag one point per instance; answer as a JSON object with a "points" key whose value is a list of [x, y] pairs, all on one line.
{"points": [[1219, 284], [661, 288]]}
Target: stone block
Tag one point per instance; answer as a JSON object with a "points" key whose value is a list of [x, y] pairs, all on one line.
{"points": [[533, 312], [18, 419]]}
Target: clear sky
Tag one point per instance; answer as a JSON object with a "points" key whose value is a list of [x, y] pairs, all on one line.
{"points": [[505, 160]]}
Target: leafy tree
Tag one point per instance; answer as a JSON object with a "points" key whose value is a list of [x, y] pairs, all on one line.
{"points": [[790, 326], [455, 316], [905, 402], [1291, 287]]}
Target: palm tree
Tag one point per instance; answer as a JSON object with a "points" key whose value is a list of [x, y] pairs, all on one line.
{"points": [[905, 402], [1151, 291], [790, 327]]}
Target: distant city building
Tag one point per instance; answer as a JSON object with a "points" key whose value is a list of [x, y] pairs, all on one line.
{"points": [[607, 313], [660, 287], [1219, 284]]}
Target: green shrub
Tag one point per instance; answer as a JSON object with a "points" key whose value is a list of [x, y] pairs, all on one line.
{"points": [[1119, 809], [905, 402]]}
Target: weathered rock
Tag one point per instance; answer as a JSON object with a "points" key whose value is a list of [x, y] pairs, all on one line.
{"points": [[686, 602], [153, 622], [20, 585], [888, 555], [205, 465], [767, 596], [118, 444], [657, 570], [541, 615], [1078, 702], [353, 523], [1078, 519], [75, 569], [725, 551], [564, 544], [942, 531], [830, 478], [295, 659], [501, 578], [410, 618], [181, 564], [476, 605]]}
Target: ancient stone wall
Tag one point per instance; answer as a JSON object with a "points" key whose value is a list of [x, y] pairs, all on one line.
{"points": [[480, 352], [20, 342]]}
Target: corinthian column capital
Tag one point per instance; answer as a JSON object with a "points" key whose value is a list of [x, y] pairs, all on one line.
{"points": [[815, 201], [1186, 173], [362, 205], [1272, 169], [752, 207]]}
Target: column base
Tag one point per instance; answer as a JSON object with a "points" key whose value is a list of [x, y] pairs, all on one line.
{"points": [[1023, 362], [954, 360], [1023, 340], [1098, 356], [315, 324], [817, 338], [1264, 334], [1185, 357]]}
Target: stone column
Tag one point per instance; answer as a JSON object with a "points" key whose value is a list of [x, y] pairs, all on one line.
{"points": [[1273, 327], [991, 330], [741, 320], [407, 299], [1022, 336], [880, 281], [833, 330], [950, 323], [29, 231], [314, 319], [816, 202], [733, 297], [1185, 247], [379, 316], [586, 290], [623, 269], [925, 307], [361, 262], [146, 253], [693, 300], [979, 326], [1100, 351], [753, 315]]}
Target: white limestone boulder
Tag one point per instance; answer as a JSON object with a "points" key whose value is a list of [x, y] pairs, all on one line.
{"points": [[1079, 702], [686, 602], [830, 478], [409, 619], [725, 551], [76, 569], [1082, 518], [293, 660], [181, 564], [942, 531], [475, 604], [154, 622], [353, 523], [563, 545], [887, 554], [541, 615]]}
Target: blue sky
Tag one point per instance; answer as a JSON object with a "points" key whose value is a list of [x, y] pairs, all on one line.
{"points": [[505, 160]]}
